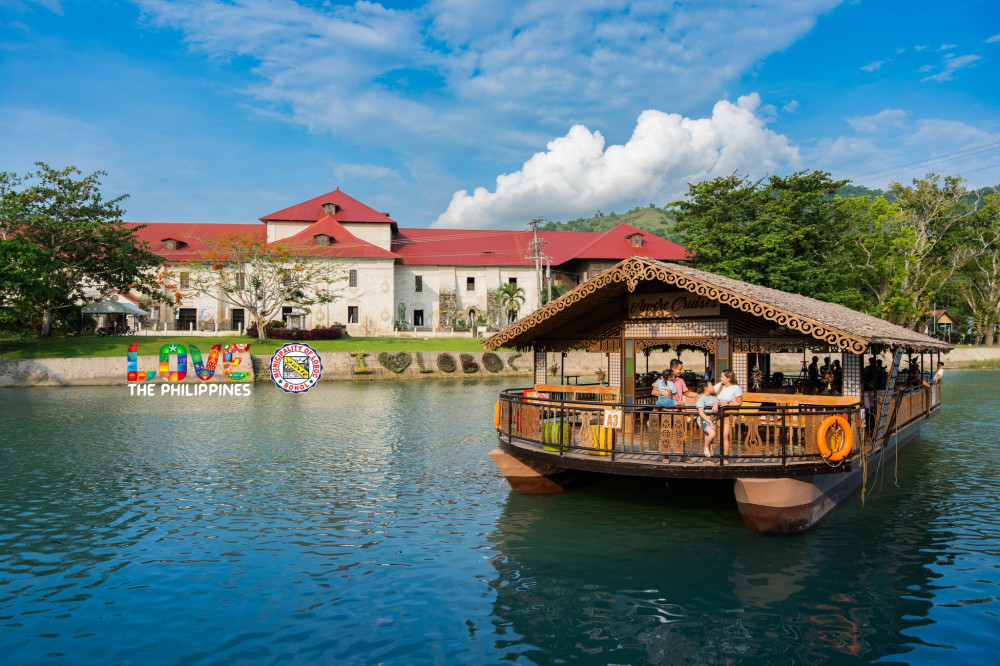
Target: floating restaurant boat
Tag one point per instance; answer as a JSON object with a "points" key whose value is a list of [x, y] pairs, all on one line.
{"points": [[793, 454]]}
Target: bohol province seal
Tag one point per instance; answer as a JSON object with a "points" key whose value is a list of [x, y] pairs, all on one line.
{"points": [[295, 368]]}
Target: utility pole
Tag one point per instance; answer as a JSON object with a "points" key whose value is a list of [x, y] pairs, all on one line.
{"points": [[536, 254]]}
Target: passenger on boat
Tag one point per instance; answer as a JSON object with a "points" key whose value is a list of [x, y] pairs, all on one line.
{"points": [[937, 375], [869, 374], [665, 391], [683, 395], [838, 370], [830, 385], [706, 399], [730, 395], [814, 369]]}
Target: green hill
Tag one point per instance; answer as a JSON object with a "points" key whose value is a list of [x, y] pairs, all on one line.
{"points": [[656, 221], [661, 221]]}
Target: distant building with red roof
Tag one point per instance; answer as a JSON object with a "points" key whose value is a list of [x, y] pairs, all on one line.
{"points": [[388, 265]]}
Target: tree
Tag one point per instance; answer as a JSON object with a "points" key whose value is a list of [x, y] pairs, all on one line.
{"points": [[260, 277], [557, 291], [23, 283], [90, 250], [876, 245], [785, 233], [922, 247], [979, 280], [511, 298]]}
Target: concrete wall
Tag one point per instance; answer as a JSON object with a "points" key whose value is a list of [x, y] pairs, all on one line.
{"points": [[341, 365]]}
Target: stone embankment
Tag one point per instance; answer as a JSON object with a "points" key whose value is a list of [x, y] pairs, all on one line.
{"points": [[576, 366]]}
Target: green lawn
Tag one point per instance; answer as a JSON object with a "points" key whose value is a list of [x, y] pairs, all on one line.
{"points": [[95, 346]]}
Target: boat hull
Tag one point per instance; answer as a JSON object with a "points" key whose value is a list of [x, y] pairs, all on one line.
{"points": [[768, 504], [794, 505]]}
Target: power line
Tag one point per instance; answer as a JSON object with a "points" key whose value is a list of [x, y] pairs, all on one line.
{"points": [[890, 169], [896, 172]]}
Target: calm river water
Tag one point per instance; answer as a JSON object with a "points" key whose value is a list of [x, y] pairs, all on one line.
{"points": [[364, 523]]}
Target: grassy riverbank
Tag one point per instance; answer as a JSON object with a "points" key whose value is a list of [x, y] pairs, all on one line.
{"points": [[92, 347]]}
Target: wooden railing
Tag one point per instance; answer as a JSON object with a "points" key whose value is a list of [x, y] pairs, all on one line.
{"points": [[767, 434]]}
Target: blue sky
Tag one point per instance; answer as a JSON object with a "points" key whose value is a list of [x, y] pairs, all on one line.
{"points": [[461, 113]]}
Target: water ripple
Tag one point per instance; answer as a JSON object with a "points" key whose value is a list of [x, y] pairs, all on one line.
{"points": [[364, 524]]}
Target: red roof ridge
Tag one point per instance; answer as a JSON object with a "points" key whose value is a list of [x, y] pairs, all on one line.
{"points": [[349, 210], [340, 238]]}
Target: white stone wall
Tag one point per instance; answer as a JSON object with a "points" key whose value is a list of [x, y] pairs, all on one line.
{"points": [[372, 232], [373, 297], [454, 278], [279, 230]]}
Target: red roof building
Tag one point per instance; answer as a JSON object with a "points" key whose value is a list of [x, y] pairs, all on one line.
{"points": [[394, 269]]}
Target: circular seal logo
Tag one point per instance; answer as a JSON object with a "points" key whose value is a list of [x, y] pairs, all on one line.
{"points": [[296, 367]]}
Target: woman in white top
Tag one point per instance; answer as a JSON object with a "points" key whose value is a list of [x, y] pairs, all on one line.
{"points": [[730, 395]]}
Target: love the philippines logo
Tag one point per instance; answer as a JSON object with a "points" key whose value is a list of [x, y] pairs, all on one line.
{"points": [[295, 368], [204, 370]]}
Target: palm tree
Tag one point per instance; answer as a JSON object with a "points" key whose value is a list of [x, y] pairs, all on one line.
{"points": [[511, 298]]}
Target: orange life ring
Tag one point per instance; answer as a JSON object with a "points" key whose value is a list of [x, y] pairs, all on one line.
{"points": [[845, 448], [496, 415]]}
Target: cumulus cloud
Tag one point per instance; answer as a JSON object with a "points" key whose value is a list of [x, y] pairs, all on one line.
{"points": [[994, 38], [882, 120], [874, 66], [578, 174], [952, 64], [791, 107]]}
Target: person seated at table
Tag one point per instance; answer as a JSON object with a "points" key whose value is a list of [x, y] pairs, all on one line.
{"points": [[706, 420], [665, 391]]}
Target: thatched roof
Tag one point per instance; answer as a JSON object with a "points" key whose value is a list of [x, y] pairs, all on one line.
{"points": [[583, 313]]}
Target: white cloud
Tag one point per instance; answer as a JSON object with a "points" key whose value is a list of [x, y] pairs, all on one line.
{"points": [[791, 107], [445, 74], [884, 119], [577, 174], [54, 6], [912, 151], [946, 47], [926, 68], [951, 65], [994, 38], [874, 66]]}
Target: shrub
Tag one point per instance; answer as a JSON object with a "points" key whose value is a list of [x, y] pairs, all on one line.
{"points": [[332, 333], [469, 364], [446, 362], [492, 362], [395, 362], [420, 363], [360, 368]]}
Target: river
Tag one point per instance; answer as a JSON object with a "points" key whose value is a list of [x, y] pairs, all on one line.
{"points": [[364, 523]]}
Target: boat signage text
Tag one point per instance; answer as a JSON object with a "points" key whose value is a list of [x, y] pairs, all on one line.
{"points": [[670, 305]]}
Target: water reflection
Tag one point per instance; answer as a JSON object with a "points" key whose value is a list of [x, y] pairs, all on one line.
{"points": [[629, 573], [364, 523]]}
